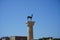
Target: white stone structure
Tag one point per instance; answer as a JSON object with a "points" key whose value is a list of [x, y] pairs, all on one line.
{"points": [[30, 29]]}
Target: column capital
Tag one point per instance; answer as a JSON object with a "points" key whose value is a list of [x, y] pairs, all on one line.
{"points": [[30, 23]]}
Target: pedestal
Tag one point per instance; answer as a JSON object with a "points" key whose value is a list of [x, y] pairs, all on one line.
{"points": [[30, 29]]}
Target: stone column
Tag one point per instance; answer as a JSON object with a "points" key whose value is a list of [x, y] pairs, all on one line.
{"points": [[30, 29]]}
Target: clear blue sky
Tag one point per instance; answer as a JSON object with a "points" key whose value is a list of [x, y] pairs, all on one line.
{"points": [[46, 14]]}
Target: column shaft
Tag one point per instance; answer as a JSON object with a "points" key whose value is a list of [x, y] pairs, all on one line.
{"points": [[30, 33]]}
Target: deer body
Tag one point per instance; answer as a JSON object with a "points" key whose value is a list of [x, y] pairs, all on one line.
{"points": [[29, 17]]}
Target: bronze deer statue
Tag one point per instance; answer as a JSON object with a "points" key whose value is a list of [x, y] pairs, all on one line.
{"points": [[30, 17]]}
